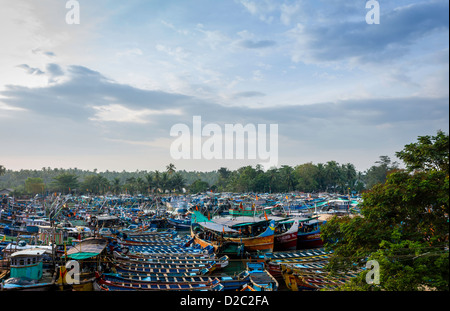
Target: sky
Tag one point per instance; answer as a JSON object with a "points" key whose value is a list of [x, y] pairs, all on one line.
{"points": [[104, 93]]}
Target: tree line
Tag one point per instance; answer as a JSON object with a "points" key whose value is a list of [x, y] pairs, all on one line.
{"points": [[307, 177]]}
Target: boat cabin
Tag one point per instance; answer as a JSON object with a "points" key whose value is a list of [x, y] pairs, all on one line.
{"points": [[27, 264]]}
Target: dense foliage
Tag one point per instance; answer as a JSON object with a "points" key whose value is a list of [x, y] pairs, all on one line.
{"points": [[404, 224], [307, 177]]}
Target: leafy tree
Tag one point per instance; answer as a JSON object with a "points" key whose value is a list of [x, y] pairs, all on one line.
{"points": [[115, 185], [273, 179], [95, 184], [157, 180], [404, 227], [287, 177], [332, 174], [429, 153], [307, 177], [224, 175], [348, 177], [66, 182], [165, 182], [2, 170], [198, 186], [177, 182], [34, 185], [378, 173]]}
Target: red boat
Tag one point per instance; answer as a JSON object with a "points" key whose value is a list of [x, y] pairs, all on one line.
{"points": [[286, 235]]}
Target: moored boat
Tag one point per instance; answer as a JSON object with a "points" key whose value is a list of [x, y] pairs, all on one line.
{"points": [[28, 271], [260, 278], [309, 234], [286, 235]]}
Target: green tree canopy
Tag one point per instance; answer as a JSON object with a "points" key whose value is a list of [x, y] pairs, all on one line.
{"points": [[34, 185], [198, 186], [66, 182], [404, 226]]}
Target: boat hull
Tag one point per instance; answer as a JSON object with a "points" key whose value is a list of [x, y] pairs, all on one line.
{"points": [[257, 244], [309, 240], [285, 242]]}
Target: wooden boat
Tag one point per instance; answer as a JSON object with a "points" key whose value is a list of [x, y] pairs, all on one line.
{"points": [[256, 236], [219, 262], [163, 270], [313, 276], [286, 235], [152, 232], [116, 283], [309, 235], [274, 260], [167, 256], [274, 266], [163, 249], [149, 242], [159, 265], [180, 223], [229, 283], [27, 272], [89, 254], [209, 234], [260, 278]]}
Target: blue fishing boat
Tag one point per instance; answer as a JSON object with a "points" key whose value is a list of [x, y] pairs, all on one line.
{"points": [[260, 278]]}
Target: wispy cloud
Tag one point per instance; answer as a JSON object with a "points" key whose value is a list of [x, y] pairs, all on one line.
{"points": [[250, 44]]}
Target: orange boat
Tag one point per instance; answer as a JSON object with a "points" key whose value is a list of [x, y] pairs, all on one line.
{"points": [[255, 236]]}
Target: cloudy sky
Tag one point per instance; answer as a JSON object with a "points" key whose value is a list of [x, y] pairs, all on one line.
{"points": [[105, 93]]}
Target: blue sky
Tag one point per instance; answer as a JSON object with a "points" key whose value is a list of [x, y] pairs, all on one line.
{"points": [[104, 94]]}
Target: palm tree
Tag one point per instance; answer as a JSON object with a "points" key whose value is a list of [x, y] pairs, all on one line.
{"points": [[116, 185], [2, 170], [157, 180], [140, 185], [150, 183], [170, 169], [165, 182], [177, 182]]}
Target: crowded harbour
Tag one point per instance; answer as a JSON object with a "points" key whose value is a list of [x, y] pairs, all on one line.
{"points": [[173, 242]]}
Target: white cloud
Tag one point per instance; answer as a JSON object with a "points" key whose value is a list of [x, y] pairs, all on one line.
{"points": [[120, 113]]}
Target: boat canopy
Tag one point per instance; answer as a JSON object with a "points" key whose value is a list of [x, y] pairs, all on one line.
{"points": [[217, 227], [86, 249]]}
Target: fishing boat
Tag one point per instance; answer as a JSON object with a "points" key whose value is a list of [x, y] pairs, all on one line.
{"points": [[313, 276], [88, 254], [274, 264], [170, 270], [209, 234], [229, 283], [260, 278], [255, 234], [166, 256], [309, 234], [116, 283], [180, 222], [29, 271], [286, 233], [220, 263]]}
